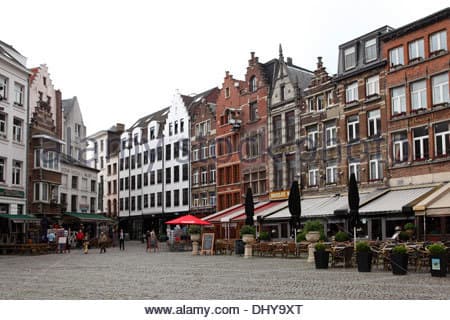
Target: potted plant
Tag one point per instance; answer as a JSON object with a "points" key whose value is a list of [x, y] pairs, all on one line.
{"points": [[264, 236], [248, 234], [399, 260], [409, 229], [194, 231], [341, 236], [438, 260], [321, 256], [314, 230], [403, 236], [363, 256]]}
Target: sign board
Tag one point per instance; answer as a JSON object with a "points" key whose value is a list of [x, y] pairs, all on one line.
{"points": [[435, 264], [279, 195], [207, 243]]}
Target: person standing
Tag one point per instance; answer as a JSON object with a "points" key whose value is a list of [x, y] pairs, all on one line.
{"points": [[86, 243], [121, 240], [153, 241], [80, 238], [147, 240], [102, 242]]}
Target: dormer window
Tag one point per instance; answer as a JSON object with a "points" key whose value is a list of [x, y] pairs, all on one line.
{"points": [[349, 58], [252, 86], [371, 50]]}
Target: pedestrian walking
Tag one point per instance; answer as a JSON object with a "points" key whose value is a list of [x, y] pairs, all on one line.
{"points": [[121, 240], [79, 237], [102, 242], [86, 244], [153, 241]]}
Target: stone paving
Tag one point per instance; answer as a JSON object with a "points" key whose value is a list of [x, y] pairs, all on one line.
{"points": [[135, 274]]}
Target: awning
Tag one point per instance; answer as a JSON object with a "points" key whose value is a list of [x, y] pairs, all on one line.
{"points": [[88, 217], [435, 204], [266, 209], [239, 212], [396, 201], [215, 217], [20, 218]]}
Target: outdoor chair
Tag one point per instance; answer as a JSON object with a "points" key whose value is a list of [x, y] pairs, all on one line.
{"points": [[278, 248], [423, 260], [265, 248], [341, 255], [291, 249]]}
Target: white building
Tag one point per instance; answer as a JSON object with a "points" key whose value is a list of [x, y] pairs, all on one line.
{"points": [[13, 130], [154, 169]]}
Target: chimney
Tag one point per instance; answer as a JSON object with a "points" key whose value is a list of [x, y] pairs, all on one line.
{"points": [[289, 61], [120, 127], [227, 74], [319, 63], [252, 54]]}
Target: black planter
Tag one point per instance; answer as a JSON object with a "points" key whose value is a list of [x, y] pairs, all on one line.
{"points": [[438, 265], [364, 261], [399, 263], [321, 259]]}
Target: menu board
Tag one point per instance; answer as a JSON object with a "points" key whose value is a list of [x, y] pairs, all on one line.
{"points": [[207, 243]]}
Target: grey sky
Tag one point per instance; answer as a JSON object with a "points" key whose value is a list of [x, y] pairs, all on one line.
{"points": [[125, 59]]}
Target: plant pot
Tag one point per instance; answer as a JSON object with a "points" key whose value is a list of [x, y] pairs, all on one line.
{"points": [[321, 259], [248, 238], [438, 265], [410, 232], [399, 263], [195, 237], [364, 261], [312, 236]]}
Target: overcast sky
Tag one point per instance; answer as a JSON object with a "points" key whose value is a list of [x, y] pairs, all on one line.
{"points": [[125, 59]]}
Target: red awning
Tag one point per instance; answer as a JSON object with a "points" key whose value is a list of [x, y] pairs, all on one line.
{"points": [[188, 219]]}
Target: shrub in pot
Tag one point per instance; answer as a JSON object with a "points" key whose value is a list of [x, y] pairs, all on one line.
{"points": [[194, 231], [314, 225], [248, 233], [438, 260], [264, 236], [321, 256], [341, 236], [410, 229], [363, 256], [403, 236], [399, 260]]}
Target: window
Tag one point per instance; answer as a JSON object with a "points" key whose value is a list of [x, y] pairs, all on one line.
{"points": [[145, 200], [282, 95], [374, 123], [133, 203], [168, 198], [351, 92], [195, 155], [291, 169], [212, 149], [136, 139], [181, 125], [2, 169], [313, 177], [127, 203], [16, 172], [145, 179], [311, 104], [159, 176], [252, 86], [145, 157], [204, 176], [253, 111], [124, 144], [152, 177], [442, 138], [204, 152], [168, 151], [212, 199], [127, 183], [152, 133], [420, 138], [109, 170], [227, 92], [212, 175], [176, 198], [329, 98], [185, 172], [253, 145], [4, 87], [168, 175], [185, 147], [18, 94], [133, 182], [152, 200], [195, 200], [185, 197], [176, 150], [438, 41], [17, 129], [371, 50], [313, 136], [176, 127], [277, 130], [74, 182], [418, 95], [139, 202], [159, 199], [93, 184], [372, 86], [159, 153], [331, 173], [354, 167], [375, 168], [46, 159], [349, 58], [398, 102], [353, 128], [396, 57], [195, 177], [152, 155], [320, 103], [101, 163], [170, 129], [41, 192], [3, 128], [139, 160], [416, 50], [121, 204], [278, 173], [139, 181], [400, 145], [330, 135], [440, 88]]}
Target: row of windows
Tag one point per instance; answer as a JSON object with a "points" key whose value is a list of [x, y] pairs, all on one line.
{"points": [[17, 126], [370, 54], [229, 175], [418, 95], [76, 185], [173, 128], [204, 151], [277, 129], [331, 171], [437, 42], [154, 177], [19, 91], [153, 200], [16, 171], [200, 176], [202, 200]]}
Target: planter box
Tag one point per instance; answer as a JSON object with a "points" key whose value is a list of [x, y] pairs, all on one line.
{"points": [[438, 265], [399, 263], [364, 261], [321, 258]]}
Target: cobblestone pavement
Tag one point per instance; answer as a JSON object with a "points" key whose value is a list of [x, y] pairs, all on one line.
{"points": [[135, 274]]}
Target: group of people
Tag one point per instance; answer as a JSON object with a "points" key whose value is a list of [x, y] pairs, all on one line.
{"points": [[61, 238], [151, 240]]}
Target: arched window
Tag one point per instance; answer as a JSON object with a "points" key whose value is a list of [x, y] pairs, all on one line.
{"points": [[253, 86]]}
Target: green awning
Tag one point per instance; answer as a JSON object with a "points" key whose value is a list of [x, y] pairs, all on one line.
{"points": [[19, 218], [88, 217]]}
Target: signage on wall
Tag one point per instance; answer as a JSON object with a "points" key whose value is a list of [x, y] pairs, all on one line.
{"points": [[11, 193], [279, 195]]}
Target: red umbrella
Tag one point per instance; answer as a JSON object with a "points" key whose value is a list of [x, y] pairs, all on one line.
{"points": [[188, 219]]}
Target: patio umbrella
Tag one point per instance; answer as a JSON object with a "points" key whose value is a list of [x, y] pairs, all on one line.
{"points": [[188, 219], [353, 204], [249, 208], [295, 207]]}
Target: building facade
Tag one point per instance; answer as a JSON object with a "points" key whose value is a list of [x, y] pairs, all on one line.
{"points": [[13, 130], [202, 112]]}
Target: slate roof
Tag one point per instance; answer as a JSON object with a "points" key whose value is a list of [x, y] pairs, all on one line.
{"points": [[159, 116], [67, 105]]}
